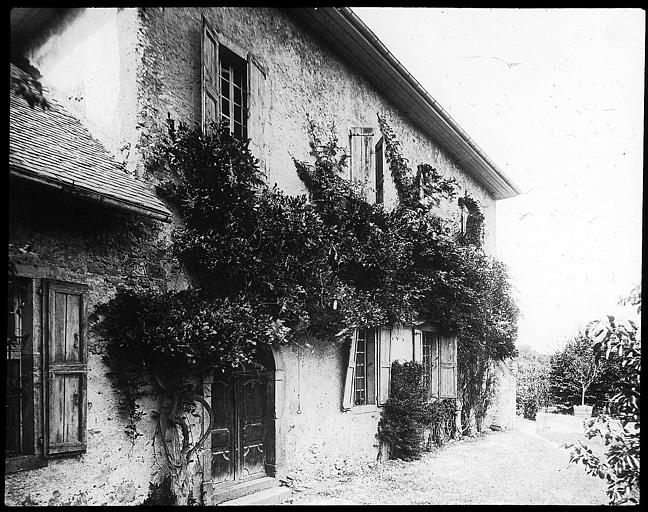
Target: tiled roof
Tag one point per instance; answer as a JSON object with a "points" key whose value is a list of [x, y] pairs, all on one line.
{"points": [[53, 147]]}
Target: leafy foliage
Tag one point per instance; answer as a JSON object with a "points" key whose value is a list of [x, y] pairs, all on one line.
{"points": [[266, 267], [619, 427], [407, 413], [532, 377], [578, 376]]}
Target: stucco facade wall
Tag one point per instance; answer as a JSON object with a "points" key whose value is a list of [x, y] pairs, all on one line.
{"points": [[303, 78], [123, 71], [81, 242], [501, 413], [90, 62]]}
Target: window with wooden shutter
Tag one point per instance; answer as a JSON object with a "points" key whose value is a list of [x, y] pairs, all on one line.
{"points": [[448, 367], [384, 368], [380, 167], [347, 400], [361, 159], [66, 368], [209, 76]]}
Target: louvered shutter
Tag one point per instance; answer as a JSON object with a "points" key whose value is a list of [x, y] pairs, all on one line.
{"points": [[347, 400], [209, 76], [66, 367], [361, 156], [448, 369], [384, 368], [418, 345], [259, 104]]}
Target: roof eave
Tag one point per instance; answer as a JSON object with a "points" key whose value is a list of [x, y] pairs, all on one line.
{"points": [[345, 30], [90, 194]]}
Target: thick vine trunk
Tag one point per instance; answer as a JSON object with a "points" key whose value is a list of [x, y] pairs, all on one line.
{"points": [[182, 457]]}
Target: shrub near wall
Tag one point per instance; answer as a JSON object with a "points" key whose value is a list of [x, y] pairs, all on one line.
{"points": [[408, 413]]}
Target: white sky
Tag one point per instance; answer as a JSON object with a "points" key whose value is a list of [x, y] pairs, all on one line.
{"points": [[565, 122]]}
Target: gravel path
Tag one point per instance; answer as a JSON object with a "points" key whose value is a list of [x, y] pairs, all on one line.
{"points": [[516, 467]]}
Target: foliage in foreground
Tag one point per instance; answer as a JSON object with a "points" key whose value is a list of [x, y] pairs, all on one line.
{"points": [[408, 413], [619, 427]]}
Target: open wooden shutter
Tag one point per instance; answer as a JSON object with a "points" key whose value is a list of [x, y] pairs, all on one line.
{"points": [[384, 365], [361, 149], [448, 370], [417, 335], [347, 400], [209, 76], [380, 169], [66, 364], [258, 106]]}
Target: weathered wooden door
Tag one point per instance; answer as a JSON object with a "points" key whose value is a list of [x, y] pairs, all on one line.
{"points": [[239, 402]]}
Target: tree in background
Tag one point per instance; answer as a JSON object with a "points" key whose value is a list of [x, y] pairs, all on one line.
{"points": [[578, 376], [574, 369], [619, 426], [532, 376]]}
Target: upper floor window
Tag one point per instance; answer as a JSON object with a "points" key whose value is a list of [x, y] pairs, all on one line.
{"points": [[233, 92], [224, 84]]}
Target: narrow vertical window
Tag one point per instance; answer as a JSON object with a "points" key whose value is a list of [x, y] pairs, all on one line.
{"points": [[380, 191], [361, 369], [19, 406], [233, 91]]}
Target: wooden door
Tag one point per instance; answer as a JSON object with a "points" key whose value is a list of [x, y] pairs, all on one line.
{"points": [[251, 395], [239, 402]]}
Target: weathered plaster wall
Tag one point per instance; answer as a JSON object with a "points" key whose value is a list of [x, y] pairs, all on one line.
{"points": [[90, 62], [303, 77], [501, 413], [82, 242]]}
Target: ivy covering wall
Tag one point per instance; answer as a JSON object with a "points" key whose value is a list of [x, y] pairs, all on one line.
{"points": [[267, 268]]}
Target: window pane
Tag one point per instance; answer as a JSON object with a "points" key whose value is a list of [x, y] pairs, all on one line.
{"points": [[237, 95], [225, 70], [238, 132], [237, 114], [225, 104]]}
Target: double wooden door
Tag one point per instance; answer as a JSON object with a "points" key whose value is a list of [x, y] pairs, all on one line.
{"points": [[238, 439]]}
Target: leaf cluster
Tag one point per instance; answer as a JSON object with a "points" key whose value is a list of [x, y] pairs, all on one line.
{"points": [[408, 413], [620, 425]]}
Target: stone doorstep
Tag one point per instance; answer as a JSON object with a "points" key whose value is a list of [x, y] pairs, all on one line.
{"points": [[230, 492], [270, 496]]}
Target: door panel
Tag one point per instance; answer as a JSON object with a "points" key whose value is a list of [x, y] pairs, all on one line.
{"points": [[239, 432], [252, 425], [222, 432]]}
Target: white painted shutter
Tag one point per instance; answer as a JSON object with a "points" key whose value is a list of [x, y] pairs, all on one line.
{"points": [[347, 400], [361, 159], [448, 368], [258, 106], [384, 368], [418, 346], [210, 80]]}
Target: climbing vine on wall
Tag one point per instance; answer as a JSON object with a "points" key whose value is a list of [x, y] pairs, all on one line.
{"points": [[266, 268]]}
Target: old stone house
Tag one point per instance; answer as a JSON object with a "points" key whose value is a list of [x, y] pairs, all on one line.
{"points": [[80, 200]]}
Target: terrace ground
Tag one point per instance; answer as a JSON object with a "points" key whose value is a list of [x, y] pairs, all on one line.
{"points": [[519, 466]]}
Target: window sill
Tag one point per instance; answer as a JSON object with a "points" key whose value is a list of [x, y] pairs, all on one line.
{"points": [[364, 409]]}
